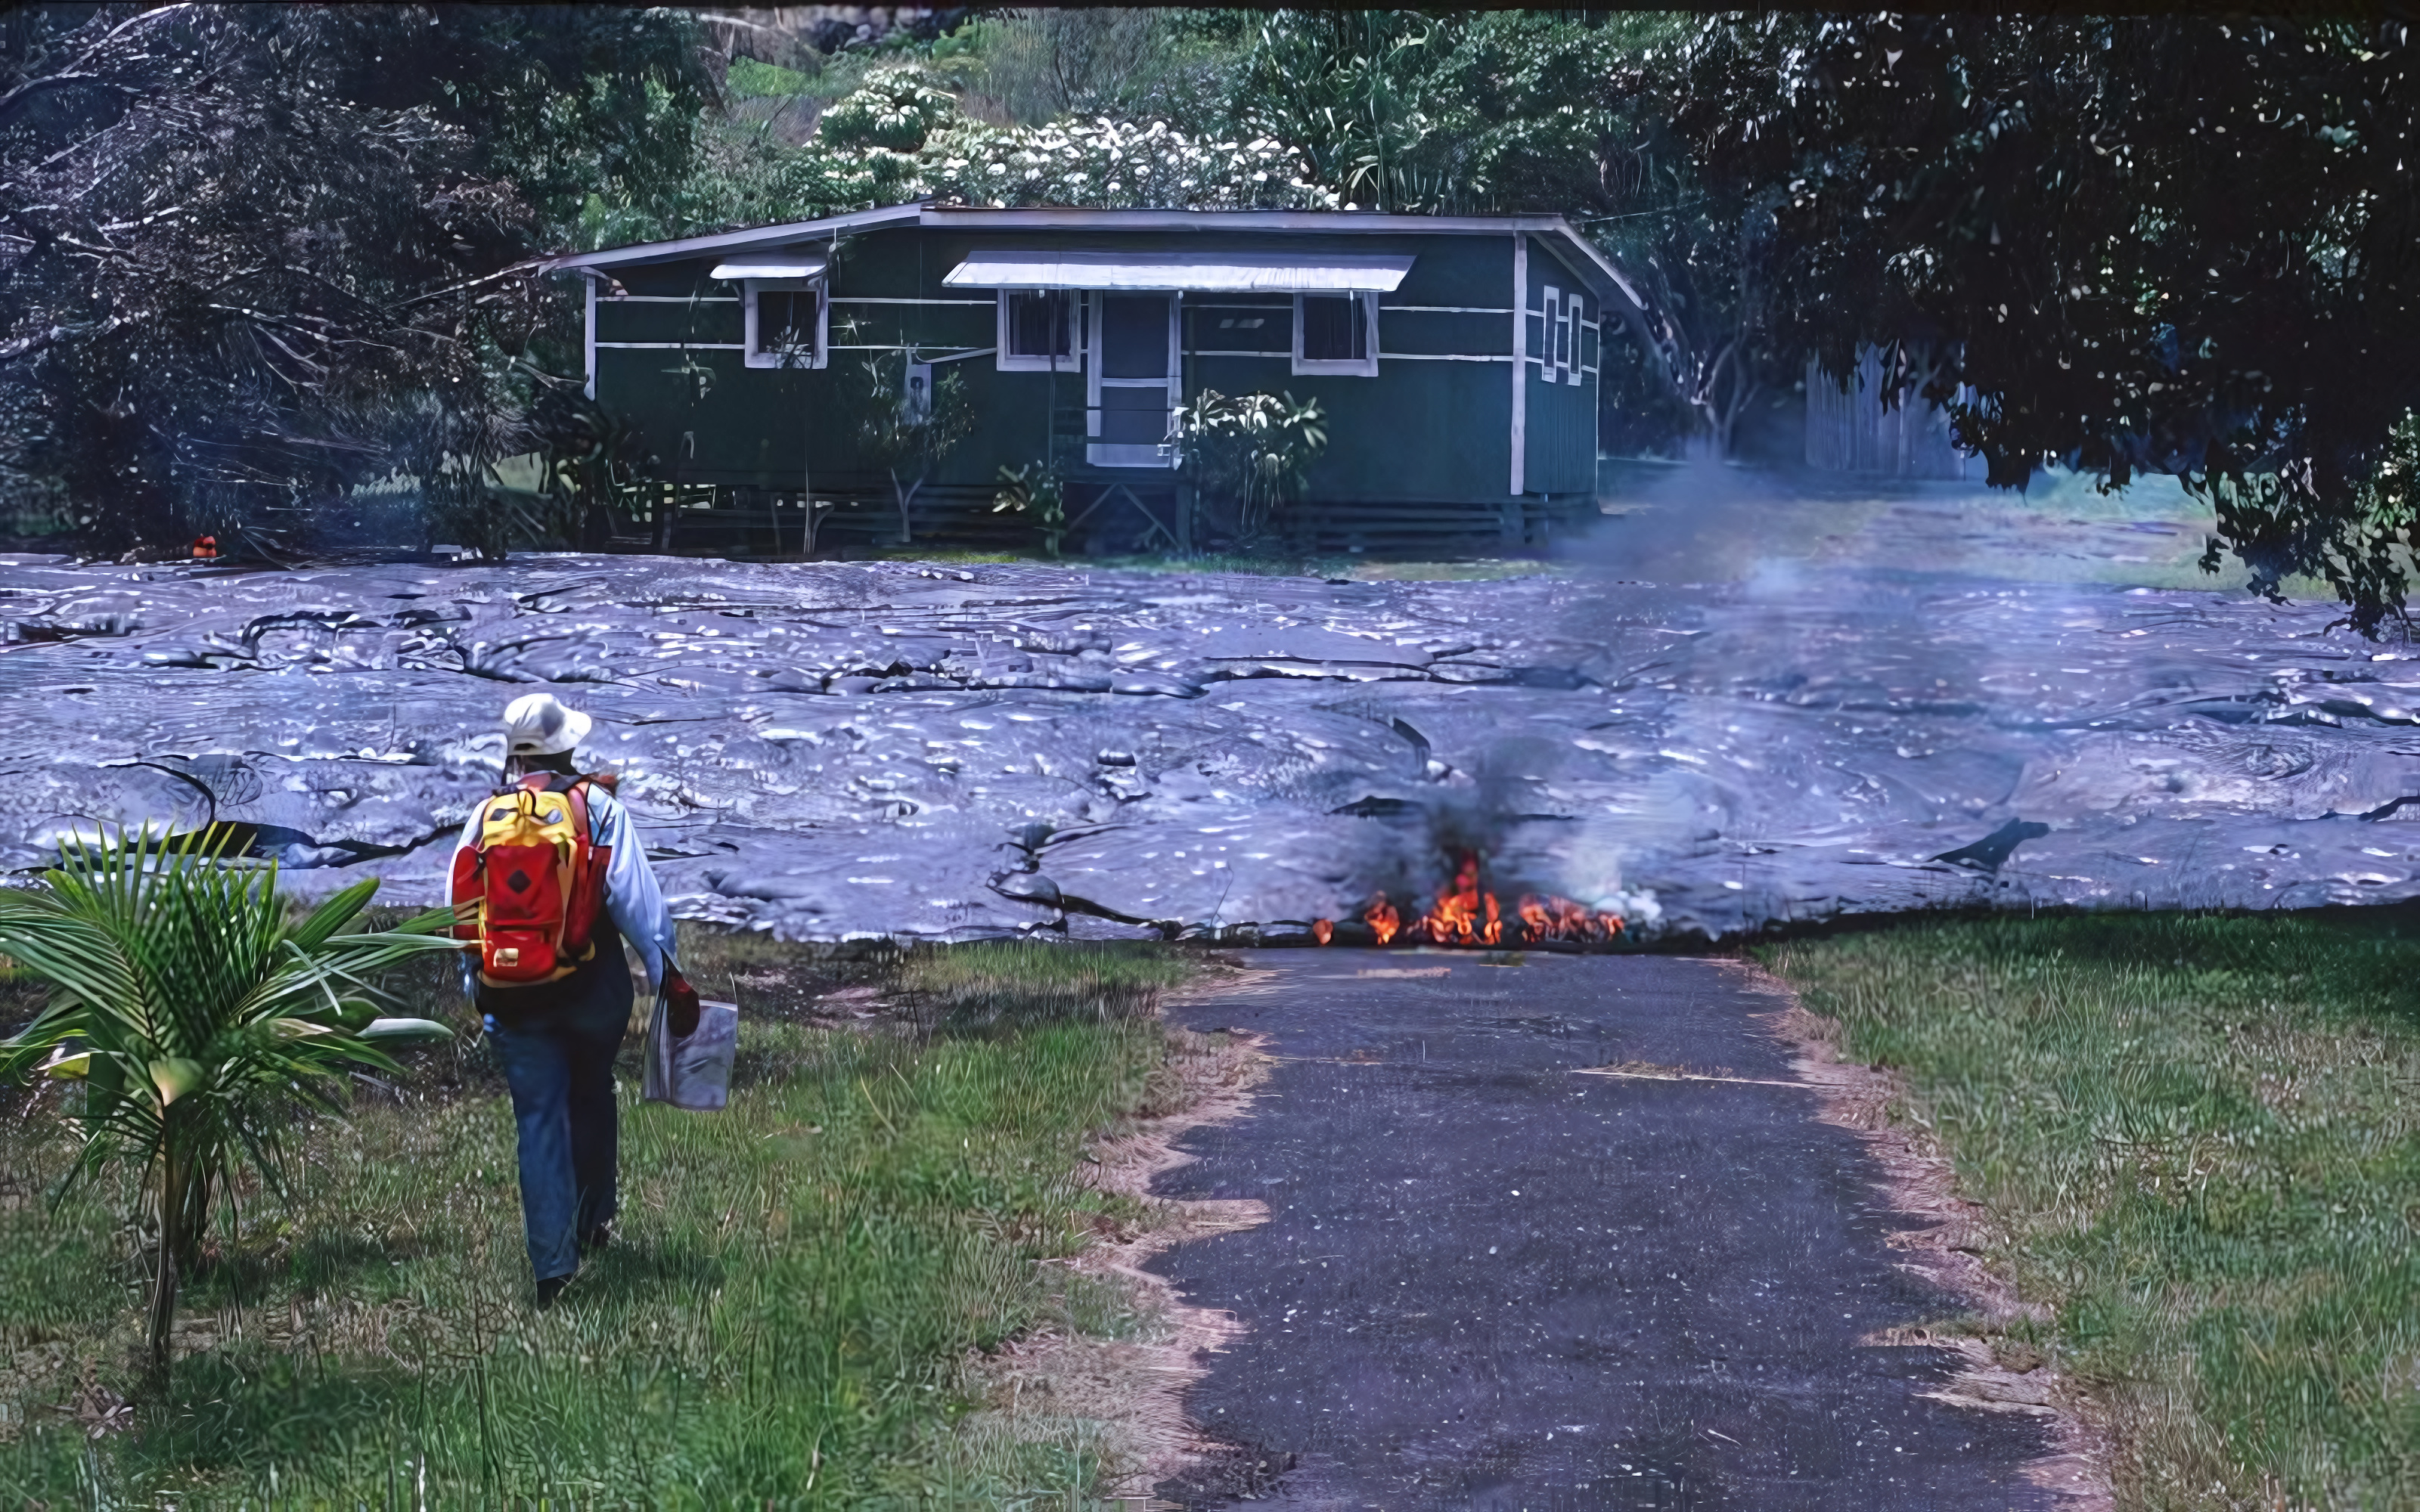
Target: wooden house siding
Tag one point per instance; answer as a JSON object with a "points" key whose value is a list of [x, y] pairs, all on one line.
{"points": [[1435, 427], [1562, 415]]}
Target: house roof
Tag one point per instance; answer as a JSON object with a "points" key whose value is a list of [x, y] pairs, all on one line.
{"points": [[1592, 264]]}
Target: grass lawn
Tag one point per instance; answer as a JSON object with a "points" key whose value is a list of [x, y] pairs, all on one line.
{"points": [[788, 1318], [2199, 1140]]}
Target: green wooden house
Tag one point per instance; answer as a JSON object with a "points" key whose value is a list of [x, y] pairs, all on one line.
{"points": [[1455, 360]]}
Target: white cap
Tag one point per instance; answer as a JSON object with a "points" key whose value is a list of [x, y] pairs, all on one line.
{"points": [[538, 725]]}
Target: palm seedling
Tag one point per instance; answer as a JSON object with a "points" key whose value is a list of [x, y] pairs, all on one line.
{"points": [[199, 1011]]}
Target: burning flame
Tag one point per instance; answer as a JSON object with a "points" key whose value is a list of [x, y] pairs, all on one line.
{"points": [[1382, 918], [1465, 913]]}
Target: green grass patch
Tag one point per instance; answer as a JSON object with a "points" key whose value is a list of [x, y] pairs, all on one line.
{"points": [[750, 79], [788, 1318], [2198, 1138], [1007, 983]]}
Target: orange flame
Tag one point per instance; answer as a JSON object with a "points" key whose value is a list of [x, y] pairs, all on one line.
{"points": [[1382, 919], [1466, 914], [1463, 914], [1560, 918]]}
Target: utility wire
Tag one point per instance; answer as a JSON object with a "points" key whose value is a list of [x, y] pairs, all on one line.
{"points": [[1632, 215]]}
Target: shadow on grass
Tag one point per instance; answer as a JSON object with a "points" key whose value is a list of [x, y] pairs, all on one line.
{"points": [[244, 1412], [630, 1270], [319, 1266]]}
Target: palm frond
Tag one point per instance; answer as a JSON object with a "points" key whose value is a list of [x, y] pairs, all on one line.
{"points": [[334, 915], [67, 950], [405, 1029], [200, 1015]]}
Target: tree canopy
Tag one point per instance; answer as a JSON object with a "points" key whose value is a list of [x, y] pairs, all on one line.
{"points": [[253, 253], [249, 254], [2176, 244]]}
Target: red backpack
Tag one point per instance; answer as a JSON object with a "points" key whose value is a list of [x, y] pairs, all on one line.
{"points": [[530, 883]]}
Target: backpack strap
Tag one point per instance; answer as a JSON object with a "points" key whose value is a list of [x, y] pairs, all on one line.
{"points": [[597, 857], [576, 787], [575, 790]]}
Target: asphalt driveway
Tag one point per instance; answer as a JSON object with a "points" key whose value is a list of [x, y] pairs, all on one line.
{"points": [[1490, 1282]]}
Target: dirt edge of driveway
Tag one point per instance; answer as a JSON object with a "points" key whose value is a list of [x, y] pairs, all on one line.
{"points": [[1131, 1392], [1947, 1246]]}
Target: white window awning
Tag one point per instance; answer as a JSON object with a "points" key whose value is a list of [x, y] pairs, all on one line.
{"points": [[1212, 273], [789, 262]]}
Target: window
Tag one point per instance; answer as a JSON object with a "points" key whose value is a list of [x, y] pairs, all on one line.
{"points": [[1575, 319], [1037, 332], [785, 323], [1555, 355], [1336, 334]]}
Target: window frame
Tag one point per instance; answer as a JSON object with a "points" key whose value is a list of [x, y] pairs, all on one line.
{"points": [[1365, 367], [1005, 360], [755, 356], [1556, 337], [1576, 307]]}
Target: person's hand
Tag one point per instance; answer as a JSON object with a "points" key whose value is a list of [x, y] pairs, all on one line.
{"points": [[682, 999]]}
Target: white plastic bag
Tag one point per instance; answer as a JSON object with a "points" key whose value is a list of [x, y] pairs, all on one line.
{"points": [[691, 1070]]}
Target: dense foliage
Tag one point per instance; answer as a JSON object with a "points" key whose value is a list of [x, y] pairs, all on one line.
{"points": [[900, 134], [251, 254], [1247, 454], [2169, 243]]}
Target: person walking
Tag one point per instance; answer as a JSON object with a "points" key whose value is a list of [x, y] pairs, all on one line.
{"points": [[550, 880]]}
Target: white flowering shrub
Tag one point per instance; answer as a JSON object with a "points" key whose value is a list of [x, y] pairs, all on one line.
{"points": [[898, 109], [1106, 164], [900, 137]]}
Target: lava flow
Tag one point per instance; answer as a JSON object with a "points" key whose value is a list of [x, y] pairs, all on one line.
{"points": [[1466, 914]]}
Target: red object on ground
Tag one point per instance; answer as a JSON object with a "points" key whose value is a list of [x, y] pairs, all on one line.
{"points": [[206, 548]]}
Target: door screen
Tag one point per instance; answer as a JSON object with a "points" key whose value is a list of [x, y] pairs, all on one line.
{"points": [[1134, 381]]}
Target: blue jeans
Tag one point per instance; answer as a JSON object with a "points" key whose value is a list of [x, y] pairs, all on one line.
{"points": [[562, 1081]]}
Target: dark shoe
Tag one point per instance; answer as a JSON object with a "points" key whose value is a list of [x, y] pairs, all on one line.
{"points": [[550, 1287], [596, 1239]]}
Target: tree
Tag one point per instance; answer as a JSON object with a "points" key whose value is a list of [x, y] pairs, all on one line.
{"points": [[910, 436], [1521, 112], [591, 455], [1035, 67], [252, 255], [200, 1017], [1353, 88], [2166, 243]]}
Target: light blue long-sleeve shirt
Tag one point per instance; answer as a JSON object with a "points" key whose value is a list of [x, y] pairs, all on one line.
{"points": [[631, 895]]}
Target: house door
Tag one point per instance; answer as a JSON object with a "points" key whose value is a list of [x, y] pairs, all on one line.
{"points": [[1135, 385]]}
